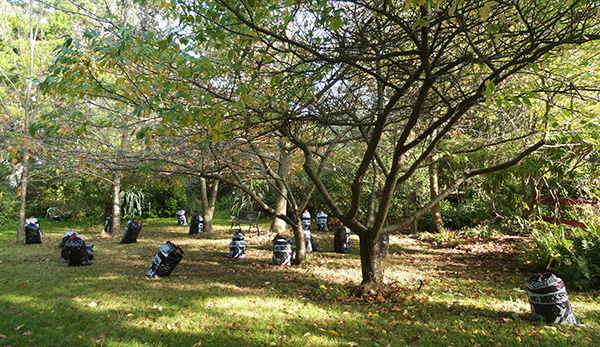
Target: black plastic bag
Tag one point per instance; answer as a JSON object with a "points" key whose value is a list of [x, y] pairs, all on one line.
{"points": [[165, 260], [309, 242], [305, 218], [237, 247], [196, 224], [131, 232], [341, 239], [282, 251], [108, 225], [65, 237], [76, 252], [385, 243], [181, 219], [549, 300], [322, 221], [33, 233]]}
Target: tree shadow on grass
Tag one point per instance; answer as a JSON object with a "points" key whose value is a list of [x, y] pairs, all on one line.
{"points": [[219, 301]]}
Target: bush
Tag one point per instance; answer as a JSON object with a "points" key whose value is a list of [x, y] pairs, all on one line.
{"points": [[572, 255], [9, 205]]}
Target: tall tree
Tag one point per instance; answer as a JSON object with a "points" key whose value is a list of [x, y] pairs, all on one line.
{"points": [[23, 58], [392, 81], [404, 77]]}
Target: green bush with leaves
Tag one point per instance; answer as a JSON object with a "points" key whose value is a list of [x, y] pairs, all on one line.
{"points": [[572, 255]]}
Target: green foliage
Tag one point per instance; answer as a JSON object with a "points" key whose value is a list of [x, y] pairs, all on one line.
{"points": [[9, 204], [164, 195], [572, 255], [132, 201]]}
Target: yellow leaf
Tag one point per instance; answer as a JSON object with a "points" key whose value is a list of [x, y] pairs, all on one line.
{"points": [[130, 315], [333, 332]]}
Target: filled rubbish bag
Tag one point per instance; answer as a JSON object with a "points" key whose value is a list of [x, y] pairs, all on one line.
{"points": [[108, 225], [65, 237], [196, 224], [237, 247], [282, 251], [305, 218], [33, 232], [309, 242], [181, 219], [165, 260], [75, 251], [322, 221], [385, 244], [64, 257], [549, 300], [131, 232], [341, 239]]}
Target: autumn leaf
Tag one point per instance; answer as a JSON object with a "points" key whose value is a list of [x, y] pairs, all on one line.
{"points": [[27, 333], [2, 336]]}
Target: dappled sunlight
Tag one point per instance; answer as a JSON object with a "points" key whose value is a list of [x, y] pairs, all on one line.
{"points": [[218, 301]]}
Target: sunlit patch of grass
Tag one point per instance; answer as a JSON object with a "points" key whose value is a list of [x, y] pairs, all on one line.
{"points": [[211, 300]]}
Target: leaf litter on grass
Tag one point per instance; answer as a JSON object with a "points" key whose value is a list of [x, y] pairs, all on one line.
{"points": [[459, 294]]}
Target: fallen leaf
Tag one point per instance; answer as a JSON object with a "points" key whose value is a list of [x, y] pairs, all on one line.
{"points": [[333, 332], [27, 333], [2, 336], [92, 304], [21, 285]]}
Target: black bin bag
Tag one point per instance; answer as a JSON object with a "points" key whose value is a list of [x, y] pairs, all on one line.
{"points": [[549, 300], [64, 257], [341, 239], [75, 251], [108, 225], [305, 218], [237, 247], [385, 244], [322, 221], [167, 257], [33, 233], [309, 242], [196, 224], [131, 232], [282, 251]]}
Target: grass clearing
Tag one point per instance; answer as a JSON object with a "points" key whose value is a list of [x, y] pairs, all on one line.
{"points": [[472, 294]]}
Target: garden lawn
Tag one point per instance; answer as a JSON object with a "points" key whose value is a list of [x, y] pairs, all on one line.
{"points": [[471, 294]]}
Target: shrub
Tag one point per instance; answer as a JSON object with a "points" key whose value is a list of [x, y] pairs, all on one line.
{"points": [[572, 255]]}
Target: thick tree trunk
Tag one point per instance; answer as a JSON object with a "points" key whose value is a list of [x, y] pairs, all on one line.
{"points": [[116, 208], [278, 225], [208, 202], [370, 259], [300, 255], [437, 224], [23, 200]]}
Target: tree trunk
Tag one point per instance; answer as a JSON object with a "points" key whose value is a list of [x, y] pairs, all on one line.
{"points": [[208, 202], [279, 225], [116, 213], [437, 224], [23, 200], [370, 259], [300, 255]]}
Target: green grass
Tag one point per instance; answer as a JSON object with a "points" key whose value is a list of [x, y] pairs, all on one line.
{"points": [[472, 295]]}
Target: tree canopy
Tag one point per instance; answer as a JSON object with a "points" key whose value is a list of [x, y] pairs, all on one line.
{"points": [[401, 82]]}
